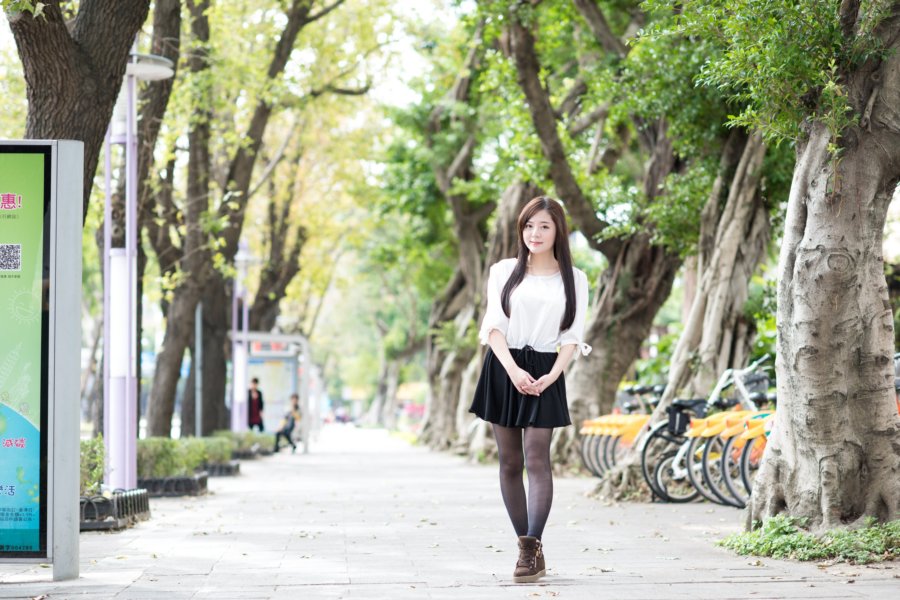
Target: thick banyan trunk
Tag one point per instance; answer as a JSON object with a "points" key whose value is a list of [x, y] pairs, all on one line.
{"points": [[503, 243], [635, 288], [707, 345], [445, 366], [715, 335], [450, 379], [834, 453]]}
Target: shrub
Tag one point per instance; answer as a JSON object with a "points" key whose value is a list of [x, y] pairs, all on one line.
{"points": [[782, 537], [218, 450], [159, 457], [262, 440], [193, 453], [247, 441], [93, 460]]}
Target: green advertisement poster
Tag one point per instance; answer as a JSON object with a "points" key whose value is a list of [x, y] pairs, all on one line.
{"points": [[23, 343]]}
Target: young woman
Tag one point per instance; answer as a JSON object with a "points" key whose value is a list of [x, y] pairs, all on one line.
{"points": [[534, 324]]}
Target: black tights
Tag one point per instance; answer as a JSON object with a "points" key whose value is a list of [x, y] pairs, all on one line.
{"points": [[528, 518]]}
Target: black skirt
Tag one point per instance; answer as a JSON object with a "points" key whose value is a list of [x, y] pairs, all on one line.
{"points": [[498, 401]]}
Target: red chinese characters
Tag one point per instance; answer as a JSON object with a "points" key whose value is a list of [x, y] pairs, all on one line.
{"points": [[10, 201], [14, 443]]}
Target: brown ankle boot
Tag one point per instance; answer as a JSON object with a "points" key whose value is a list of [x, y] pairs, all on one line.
{"points": [[530, 566]]}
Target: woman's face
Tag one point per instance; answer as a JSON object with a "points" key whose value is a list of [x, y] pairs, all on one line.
{"points": [[539, 233]]}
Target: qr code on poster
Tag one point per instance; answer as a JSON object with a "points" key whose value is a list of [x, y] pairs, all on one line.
{"points": [[10, 257]]}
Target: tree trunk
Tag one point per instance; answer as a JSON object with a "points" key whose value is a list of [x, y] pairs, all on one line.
{"points": [[733, 242], [833, 454], [391, 404], [461, 304], [375, 414], [631, 293], [179, 331], [444, 367], [216, 349], [737, 245], [640, 275], [74, 71], [195, 260]]}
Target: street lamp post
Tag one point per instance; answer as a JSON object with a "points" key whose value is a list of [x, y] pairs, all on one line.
{"points": [[240, 344], [120, 402]]}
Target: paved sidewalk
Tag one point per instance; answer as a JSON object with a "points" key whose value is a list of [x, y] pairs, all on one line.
{"points": [[366, 516]]}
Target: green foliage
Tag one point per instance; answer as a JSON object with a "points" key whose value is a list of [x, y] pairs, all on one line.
{"points": [[780, 63], [19, 6], [218, 450], [448, 338], [159, 457], [659, 81], [783, 537], [892, 275], [93, 461], [655, 369], [676, 213], [245, 441], [164, 457], [761, 309], [193, 452]]}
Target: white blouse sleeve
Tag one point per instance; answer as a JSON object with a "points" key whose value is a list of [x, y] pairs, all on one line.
{"points": [[494, 317], [575, 333]]}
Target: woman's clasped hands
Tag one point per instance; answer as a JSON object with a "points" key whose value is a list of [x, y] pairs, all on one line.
{"points": [[528, 385]]}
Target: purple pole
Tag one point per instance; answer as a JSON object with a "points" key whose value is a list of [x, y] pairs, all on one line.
{"points": [[131, 400], [107, 242]]}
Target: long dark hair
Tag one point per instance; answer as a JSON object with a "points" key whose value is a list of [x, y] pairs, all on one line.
{"points": [[561, 253]]}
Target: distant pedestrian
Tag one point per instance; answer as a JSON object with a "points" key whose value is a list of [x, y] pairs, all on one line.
{"points": [[534, 325], [255, 406], [290, 420]]}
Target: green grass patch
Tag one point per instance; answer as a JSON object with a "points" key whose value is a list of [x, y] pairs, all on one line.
{"points": [[783, 537]]}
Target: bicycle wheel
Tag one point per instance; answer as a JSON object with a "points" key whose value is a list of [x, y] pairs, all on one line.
{"points": [[618, 448], [671, 477], [713, 452], [608, 448], [694, 464], [731, 472], [751, 457], [587, 444], [657, 443], [592, 455], [598, 453]]}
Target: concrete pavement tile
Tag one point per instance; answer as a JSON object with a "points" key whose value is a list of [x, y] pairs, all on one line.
{"points": [[367, 516]]}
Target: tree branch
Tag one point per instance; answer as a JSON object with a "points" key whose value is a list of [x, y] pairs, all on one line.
{"points": [[270, 167], [584, 123], [324, 11], [597, 22], [848, 14], [528, 69], [462, 160], [341, 91], [569, 106]]}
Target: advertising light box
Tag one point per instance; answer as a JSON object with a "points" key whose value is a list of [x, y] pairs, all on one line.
{"points": [[24, 321]]}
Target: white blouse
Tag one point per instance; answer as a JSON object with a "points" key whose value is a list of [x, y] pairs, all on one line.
{"points": [[536, 308]]}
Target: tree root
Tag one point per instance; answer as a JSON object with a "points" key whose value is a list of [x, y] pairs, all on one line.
{"points": [[623, 483]]}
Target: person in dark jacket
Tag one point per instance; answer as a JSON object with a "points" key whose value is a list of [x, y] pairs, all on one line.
{"points": [[255, 405]]}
